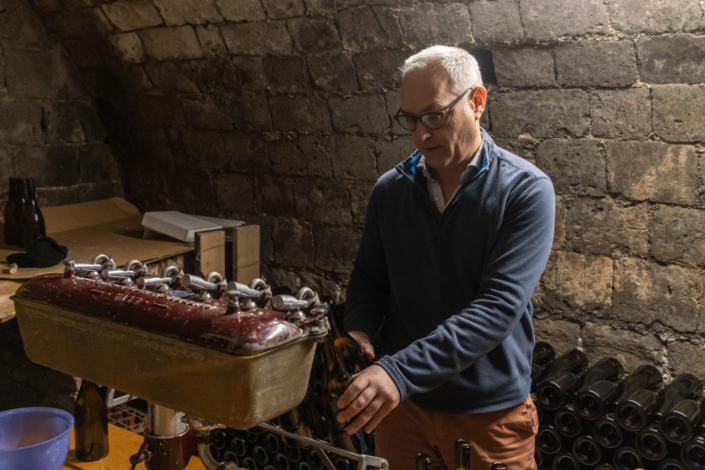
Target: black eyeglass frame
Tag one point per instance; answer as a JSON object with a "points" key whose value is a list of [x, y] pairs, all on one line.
{"points": [[442, 113]]}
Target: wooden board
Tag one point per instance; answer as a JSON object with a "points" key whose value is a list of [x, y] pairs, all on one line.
{"points": [[123, 444], [111, 226], [210, 252]]}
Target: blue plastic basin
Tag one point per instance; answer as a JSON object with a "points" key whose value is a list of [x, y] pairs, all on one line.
{"points": [[34, 438]]}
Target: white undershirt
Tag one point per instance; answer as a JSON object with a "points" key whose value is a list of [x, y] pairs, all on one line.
{"points": [[434, 188]]}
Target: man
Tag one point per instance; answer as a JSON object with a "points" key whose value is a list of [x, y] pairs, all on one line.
{"points": [[455, 241]]}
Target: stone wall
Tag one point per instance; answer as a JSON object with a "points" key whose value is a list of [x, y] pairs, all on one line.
{"points": [[50, 130], [279, 112]]}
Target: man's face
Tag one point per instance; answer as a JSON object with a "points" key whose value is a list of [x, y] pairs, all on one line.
{"points": [[430, 90]]}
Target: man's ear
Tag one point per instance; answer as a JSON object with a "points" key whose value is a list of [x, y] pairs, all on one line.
{"points": [[478, 97]]}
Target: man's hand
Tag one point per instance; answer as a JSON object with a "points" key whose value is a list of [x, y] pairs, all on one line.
{"points": [[364, 341], [371, 396]]}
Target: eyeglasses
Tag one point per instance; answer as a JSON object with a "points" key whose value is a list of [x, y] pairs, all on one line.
{"points": [[431, 121]]}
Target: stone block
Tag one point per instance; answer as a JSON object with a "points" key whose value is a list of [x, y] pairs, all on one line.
{"points": [[20, 25], [300, 113], [686, 358], [250, 74], [177, 43], [596, 63], [360, 29], [216, 76], [150, 144], [90, 51], [496, 21], [97, 164], [335, 247], [523, 146], [180, 12], [546, 20], [156, 110], [170, 76], [78, 22], [645, 292], [391, 152], [672, 59], [306, 155], [211, 41], [134, 78], [315, 35], [559, 224], [277, 9], [561, 334], [128, 47], [621, 114], [628, 347], [195, 191], [21, 121], [49, 166], [575, 284], [129, 15], [236, 193], [257, 38], [655, 16], [366, 114], [540, 113], [322, 200], [359, 197], [678, 235], [287, 74], [525, 67], [653, 171], [431, 23], [293, 243], [198, 149], [241, 10], [37, 74], [576, 166], [389, 20], [606, 227], [246, 152], [353, 158], [333, 74], [679, 112], [276, 196], [207, 111], [392, 100], [379, 69], [250, 114], [72, 122]]}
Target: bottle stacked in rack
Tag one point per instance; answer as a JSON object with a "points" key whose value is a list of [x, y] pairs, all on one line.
{"points": [[598, 417]]}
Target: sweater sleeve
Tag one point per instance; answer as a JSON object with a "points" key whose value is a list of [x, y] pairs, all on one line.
{"points": [[368, 288], [512, 272]]}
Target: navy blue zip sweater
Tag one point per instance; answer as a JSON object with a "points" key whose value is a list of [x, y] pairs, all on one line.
{"points": [[452, 291]]}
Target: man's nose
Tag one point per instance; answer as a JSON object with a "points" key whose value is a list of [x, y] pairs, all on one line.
{"points": [[422, 133]]}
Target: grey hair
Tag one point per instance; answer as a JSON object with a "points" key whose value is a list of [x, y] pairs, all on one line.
{"points": [[459, 63]]}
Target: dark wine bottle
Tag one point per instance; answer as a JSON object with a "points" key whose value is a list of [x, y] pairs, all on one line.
{"points": [[33, 219], [608, 432], [301, 465], [555, 391], [587, 450], [350, 351], [272, 443], [542, 357], [678, 425], [565, 461], [91, 424], [239, 446], [20, 209], [422, 462], [215, 452], [604, 466], [671, 464], [219, 439], [249, 463], [314, 460], [260, 455], [9, 221], [567, 421], [292, 422], [462, 455], [627, 458], [651, 444], [229, 456], [336, 379], [549, 440], [311, 416], [644, 405], [538, 456], [341, 463], [498, 466], [572, 361], [693, 453], [280, 462], [595, 400], [293, 454]]}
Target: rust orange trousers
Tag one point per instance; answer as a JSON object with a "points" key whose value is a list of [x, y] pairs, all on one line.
{"points": [[505, 436]]}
